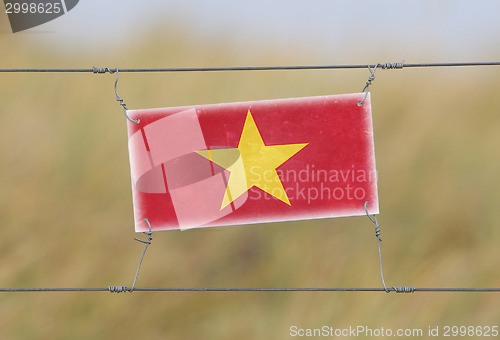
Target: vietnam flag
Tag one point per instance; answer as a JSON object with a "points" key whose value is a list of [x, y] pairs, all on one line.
{"points": [[252, 162]]}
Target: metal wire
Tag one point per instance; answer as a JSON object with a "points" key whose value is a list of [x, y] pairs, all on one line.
{"points": [[365, 90], [249, 68], [147, 243], [379, 239], [172, 289], [118, 98]]}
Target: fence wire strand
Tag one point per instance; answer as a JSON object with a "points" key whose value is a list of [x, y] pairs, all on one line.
{"points": [[248, 68], [173, 289]]}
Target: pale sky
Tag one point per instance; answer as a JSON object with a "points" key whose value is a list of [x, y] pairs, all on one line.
{"points": [[455, 30]]}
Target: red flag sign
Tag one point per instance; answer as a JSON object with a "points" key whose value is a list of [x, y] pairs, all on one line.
{"points": [[252, 162]]}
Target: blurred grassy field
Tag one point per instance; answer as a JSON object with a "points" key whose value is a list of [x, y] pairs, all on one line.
{"points": [[66, 210]]}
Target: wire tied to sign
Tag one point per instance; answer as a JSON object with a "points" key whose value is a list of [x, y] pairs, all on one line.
{"points": [[368, 83], [379, 239], [122, 289], [385, 66], [102, 70], [147, 243]]}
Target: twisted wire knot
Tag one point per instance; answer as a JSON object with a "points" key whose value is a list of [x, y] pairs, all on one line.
{"points": [[103, 70], [369, 81], [117, 289], [375, 221], [378, 232], [392, 66], [147, 233], [403, 289]]}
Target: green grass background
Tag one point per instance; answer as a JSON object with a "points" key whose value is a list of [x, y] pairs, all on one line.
{"points": [[66, 209]]}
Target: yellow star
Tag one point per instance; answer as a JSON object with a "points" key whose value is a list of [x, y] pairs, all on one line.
{"points": [[256, 165]]}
